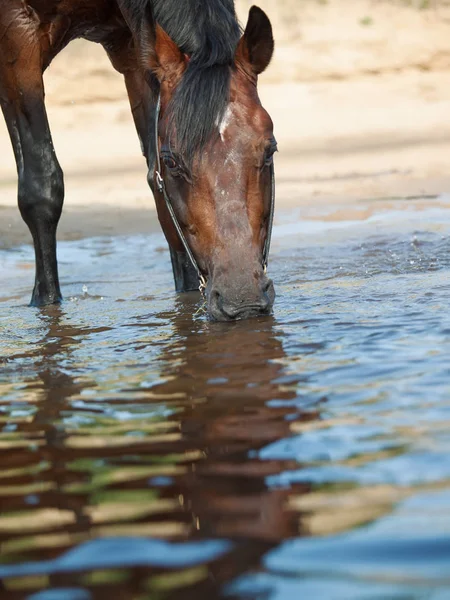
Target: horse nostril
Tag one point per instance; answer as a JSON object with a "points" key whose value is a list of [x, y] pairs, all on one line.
{"points": [[268, 290], [266, 286], [215, 299], [217, 307]]}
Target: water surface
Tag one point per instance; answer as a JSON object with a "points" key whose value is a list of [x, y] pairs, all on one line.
{"points": [[147, 453]]}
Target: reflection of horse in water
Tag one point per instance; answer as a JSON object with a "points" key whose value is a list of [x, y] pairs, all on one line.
{"points": [[229, 376], [218, 381]]}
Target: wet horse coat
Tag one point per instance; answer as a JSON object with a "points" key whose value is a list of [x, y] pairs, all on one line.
{"points": [[215, 139]]}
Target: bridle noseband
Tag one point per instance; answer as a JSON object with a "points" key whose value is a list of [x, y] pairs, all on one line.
{"points": [[160, 185]]}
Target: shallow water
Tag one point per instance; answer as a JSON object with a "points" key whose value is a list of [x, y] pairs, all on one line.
{"points": [[147, 453]]}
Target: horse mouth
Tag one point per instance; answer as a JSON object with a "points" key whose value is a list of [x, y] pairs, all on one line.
{"points": [[241, 313]]}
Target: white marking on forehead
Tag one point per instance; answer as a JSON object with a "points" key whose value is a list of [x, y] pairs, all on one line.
{"points": [[226, 120]]}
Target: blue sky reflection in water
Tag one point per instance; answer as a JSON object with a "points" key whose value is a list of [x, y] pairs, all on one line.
{"points": [[304, 455]]}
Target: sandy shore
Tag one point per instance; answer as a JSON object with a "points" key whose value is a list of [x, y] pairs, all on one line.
{"points": [[362, 138]]}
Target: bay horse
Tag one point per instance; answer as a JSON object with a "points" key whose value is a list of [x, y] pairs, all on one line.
{"points": [[191, 76]]}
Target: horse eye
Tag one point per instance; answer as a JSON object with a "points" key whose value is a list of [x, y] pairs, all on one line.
{"points": [[170, 162]]}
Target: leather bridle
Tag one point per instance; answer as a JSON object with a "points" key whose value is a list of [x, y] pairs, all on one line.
{"points": [[159, 182]]}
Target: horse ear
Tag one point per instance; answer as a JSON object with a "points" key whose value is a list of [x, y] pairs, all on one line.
{"points": [[256, 45], [166, 60]]}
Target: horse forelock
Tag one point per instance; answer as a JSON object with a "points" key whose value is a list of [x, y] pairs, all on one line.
{"points": [[196, 108], [208, 32]]}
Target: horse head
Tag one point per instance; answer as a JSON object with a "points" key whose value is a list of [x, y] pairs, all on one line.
{"points": [[214, 172]]}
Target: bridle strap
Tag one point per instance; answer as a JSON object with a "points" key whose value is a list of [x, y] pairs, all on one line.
{"points": [[162, 189], [159, 181], [266, 250]]}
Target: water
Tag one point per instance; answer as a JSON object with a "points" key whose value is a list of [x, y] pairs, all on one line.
{"points": [[147, 453]]}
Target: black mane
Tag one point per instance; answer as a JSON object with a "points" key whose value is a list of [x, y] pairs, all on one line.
{"points": [[208, 32]]}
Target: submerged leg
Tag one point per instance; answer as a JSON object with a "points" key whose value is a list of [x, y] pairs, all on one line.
{"points": [[143, 98], [40, 185]]}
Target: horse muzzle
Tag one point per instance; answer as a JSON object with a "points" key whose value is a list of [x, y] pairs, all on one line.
{"points": [[234, 304]]}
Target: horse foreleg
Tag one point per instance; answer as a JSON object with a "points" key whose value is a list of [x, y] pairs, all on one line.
{"points": [[40, 179]]}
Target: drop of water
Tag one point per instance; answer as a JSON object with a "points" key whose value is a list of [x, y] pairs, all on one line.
{"points": [[84, 289]]}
